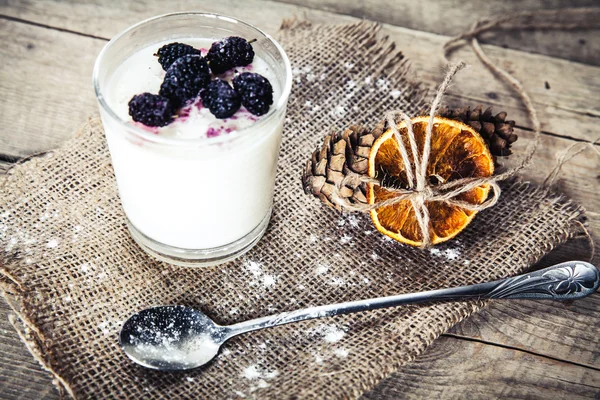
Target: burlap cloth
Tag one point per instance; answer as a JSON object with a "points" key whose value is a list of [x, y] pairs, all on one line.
{"points": [[73, 273]]}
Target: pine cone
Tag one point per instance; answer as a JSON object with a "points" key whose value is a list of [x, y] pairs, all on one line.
{"points": [[495, 130], [341, 154]]}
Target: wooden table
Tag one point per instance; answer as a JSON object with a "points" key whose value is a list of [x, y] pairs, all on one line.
{"points": [[518, 349]]}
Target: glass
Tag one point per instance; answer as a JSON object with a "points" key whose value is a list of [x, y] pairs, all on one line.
{"points": [[200, 201]]}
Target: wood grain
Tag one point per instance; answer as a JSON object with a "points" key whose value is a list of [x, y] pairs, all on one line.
{"points": [[509, 350], [455, 369], [451, 17], [570, 332], [45, 80], [444, 17], [21, 377], [568, 108]]}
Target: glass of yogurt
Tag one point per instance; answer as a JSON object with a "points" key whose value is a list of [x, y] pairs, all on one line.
{"points": [[198, 191]]}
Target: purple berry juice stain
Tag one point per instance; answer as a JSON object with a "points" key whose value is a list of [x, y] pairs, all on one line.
{"points": [[151, 129], [212, 132]]}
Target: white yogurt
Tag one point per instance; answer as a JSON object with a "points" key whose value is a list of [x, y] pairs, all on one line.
{"points": [[204, 194]]}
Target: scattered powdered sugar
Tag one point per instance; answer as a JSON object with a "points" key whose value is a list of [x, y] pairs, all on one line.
{"points": [[109, 327], [318, 358], [383, 83], [321, 269], [258, 376], [333, 335], [52, 243], [189, 379], [341, 352], [269, 280], [329, 332], [395, 94], [256, 269], [450, 254], [345, 239], [353, 220], [339, 111], [337, 281]]}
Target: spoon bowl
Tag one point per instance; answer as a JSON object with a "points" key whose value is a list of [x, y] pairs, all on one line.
{"points": [[171, 338]]}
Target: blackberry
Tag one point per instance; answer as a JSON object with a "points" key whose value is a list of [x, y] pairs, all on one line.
{"points": [[172, 51], [221, 99], [184, 79], [256, 92], [228, 53], [151, 109]]}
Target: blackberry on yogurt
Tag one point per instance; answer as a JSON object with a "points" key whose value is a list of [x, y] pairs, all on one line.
{"points": [[221, 99], [151, 109], [255, 91], [169, 53], [184, 79], [228, 53]]}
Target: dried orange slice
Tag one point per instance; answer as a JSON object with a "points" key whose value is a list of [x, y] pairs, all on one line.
{"points": [[457, 151]]}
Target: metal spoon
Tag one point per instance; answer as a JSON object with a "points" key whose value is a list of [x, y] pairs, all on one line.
{"points": [[177, 337]]}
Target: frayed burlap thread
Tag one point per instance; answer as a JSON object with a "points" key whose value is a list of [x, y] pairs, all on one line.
{"points": [[73, 273]]}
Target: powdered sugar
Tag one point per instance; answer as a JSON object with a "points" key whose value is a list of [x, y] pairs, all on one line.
{"points": [[269, 280], [450, 254], [52, 243], [345, 239], [257, 372], [321, 269], [337, 281], [330, 333], [353, 220], [260, 278], [258, 376], [341, 352]]}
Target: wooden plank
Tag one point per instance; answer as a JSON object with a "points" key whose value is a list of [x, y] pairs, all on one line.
{"points": [[569, 332], [454, 369], [445, 17], [4, 166], [452, 17], [568, 108], [21, 377], [572, 186], [46, 86]]}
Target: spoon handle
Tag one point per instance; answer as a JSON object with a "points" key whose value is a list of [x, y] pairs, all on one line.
{"points": [[567, 281]]}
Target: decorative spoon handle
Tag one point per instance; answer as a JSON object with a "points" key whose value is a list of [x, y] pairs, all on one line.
{"points": [[567, 281]]}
